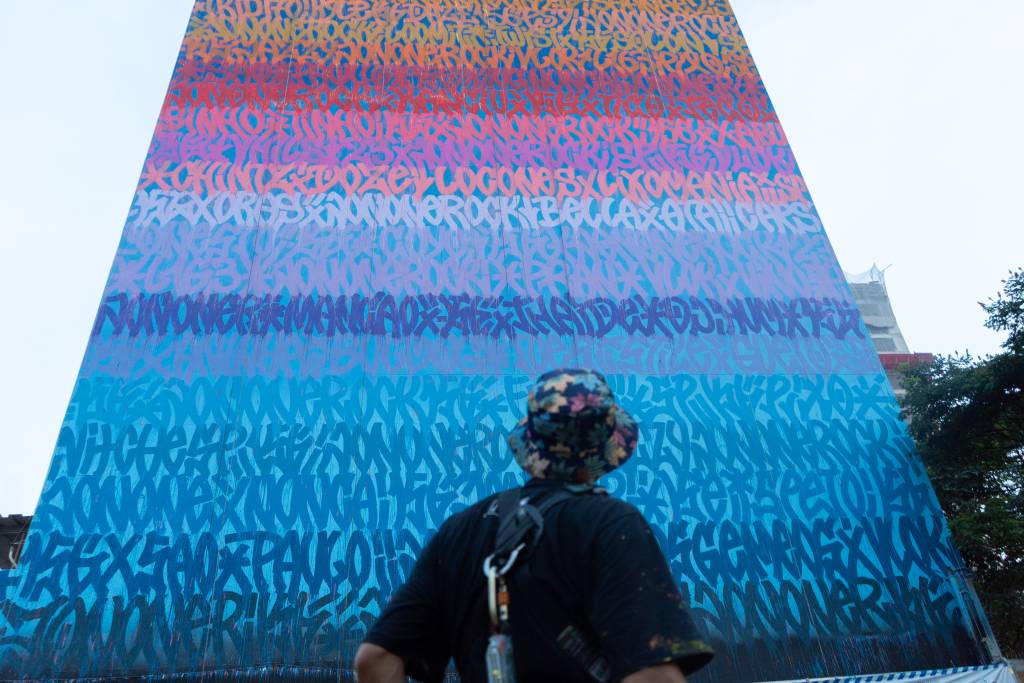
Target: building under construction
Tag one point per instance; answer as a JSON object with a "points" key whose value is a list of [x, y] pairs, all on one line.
{"points": [[872, 299], [13, 530]]}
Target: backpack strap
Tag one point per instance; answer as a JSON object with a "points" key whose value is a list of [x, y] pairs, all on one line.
{"points": [[520, 525]]}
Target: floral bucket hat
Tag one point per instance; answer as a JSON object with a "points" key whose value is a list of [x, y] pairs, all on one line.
{"points": [[573, 429]]}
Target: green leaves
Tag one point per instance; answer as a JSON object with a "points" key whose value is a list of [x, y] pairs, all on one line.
{"points": [[967, 416], [1006, 311]]}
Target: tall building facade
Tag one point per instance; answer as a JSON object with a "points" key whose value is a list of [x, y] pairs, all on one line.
{"points": [[361, 230]]}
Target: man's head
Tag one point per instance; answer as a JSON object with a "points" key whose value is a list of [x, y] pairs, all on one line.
{"points": [[573, 429]]}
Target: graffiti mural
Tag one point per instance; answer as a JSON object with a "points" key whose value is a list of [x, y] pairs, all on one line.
{"points": [[362, 229]]}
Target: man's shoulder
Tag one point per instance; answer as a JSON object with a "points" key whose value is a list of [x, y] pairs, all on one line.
{"points": [[594, 509], [602, 512], [470, 515], [604, 508]]}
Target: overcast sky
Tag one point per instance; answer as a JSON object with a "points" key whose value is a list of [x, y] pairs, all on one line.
{"points": [[905, 116]]}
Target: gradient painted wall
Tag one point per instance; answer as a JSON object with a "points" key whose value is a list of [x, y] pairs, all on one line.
{"points": [[361, 231]]}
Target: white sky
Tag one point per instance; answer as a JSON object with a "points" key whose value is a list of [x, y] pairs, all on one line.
{"points": [[906, 117]]}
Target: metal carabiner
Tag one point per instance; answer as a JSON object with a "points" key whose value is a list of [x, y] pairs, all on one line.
{"points": [[509, 563]]}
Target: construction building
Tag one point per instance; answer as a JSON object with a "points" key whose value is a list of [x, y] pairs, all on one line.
{"points": [[13, 530], [872, 298]]}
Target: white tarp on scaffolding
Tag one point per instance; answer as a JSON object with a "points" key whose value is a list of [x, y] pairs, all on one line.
{"points": [[992, 673]]}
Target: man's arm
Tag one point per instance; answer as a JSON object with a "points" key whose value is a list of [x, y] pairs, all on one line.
{"points": [[374, 664], [409, 637], [663, 673]]}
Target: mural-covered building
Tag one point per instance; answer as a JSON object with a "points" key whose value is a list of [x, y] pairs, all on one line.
{"points": [[361, 230]]}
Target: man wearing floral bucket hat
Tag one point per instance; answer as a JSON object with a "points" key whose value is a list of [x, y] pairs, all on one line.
{"points": [[574, 578]]}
